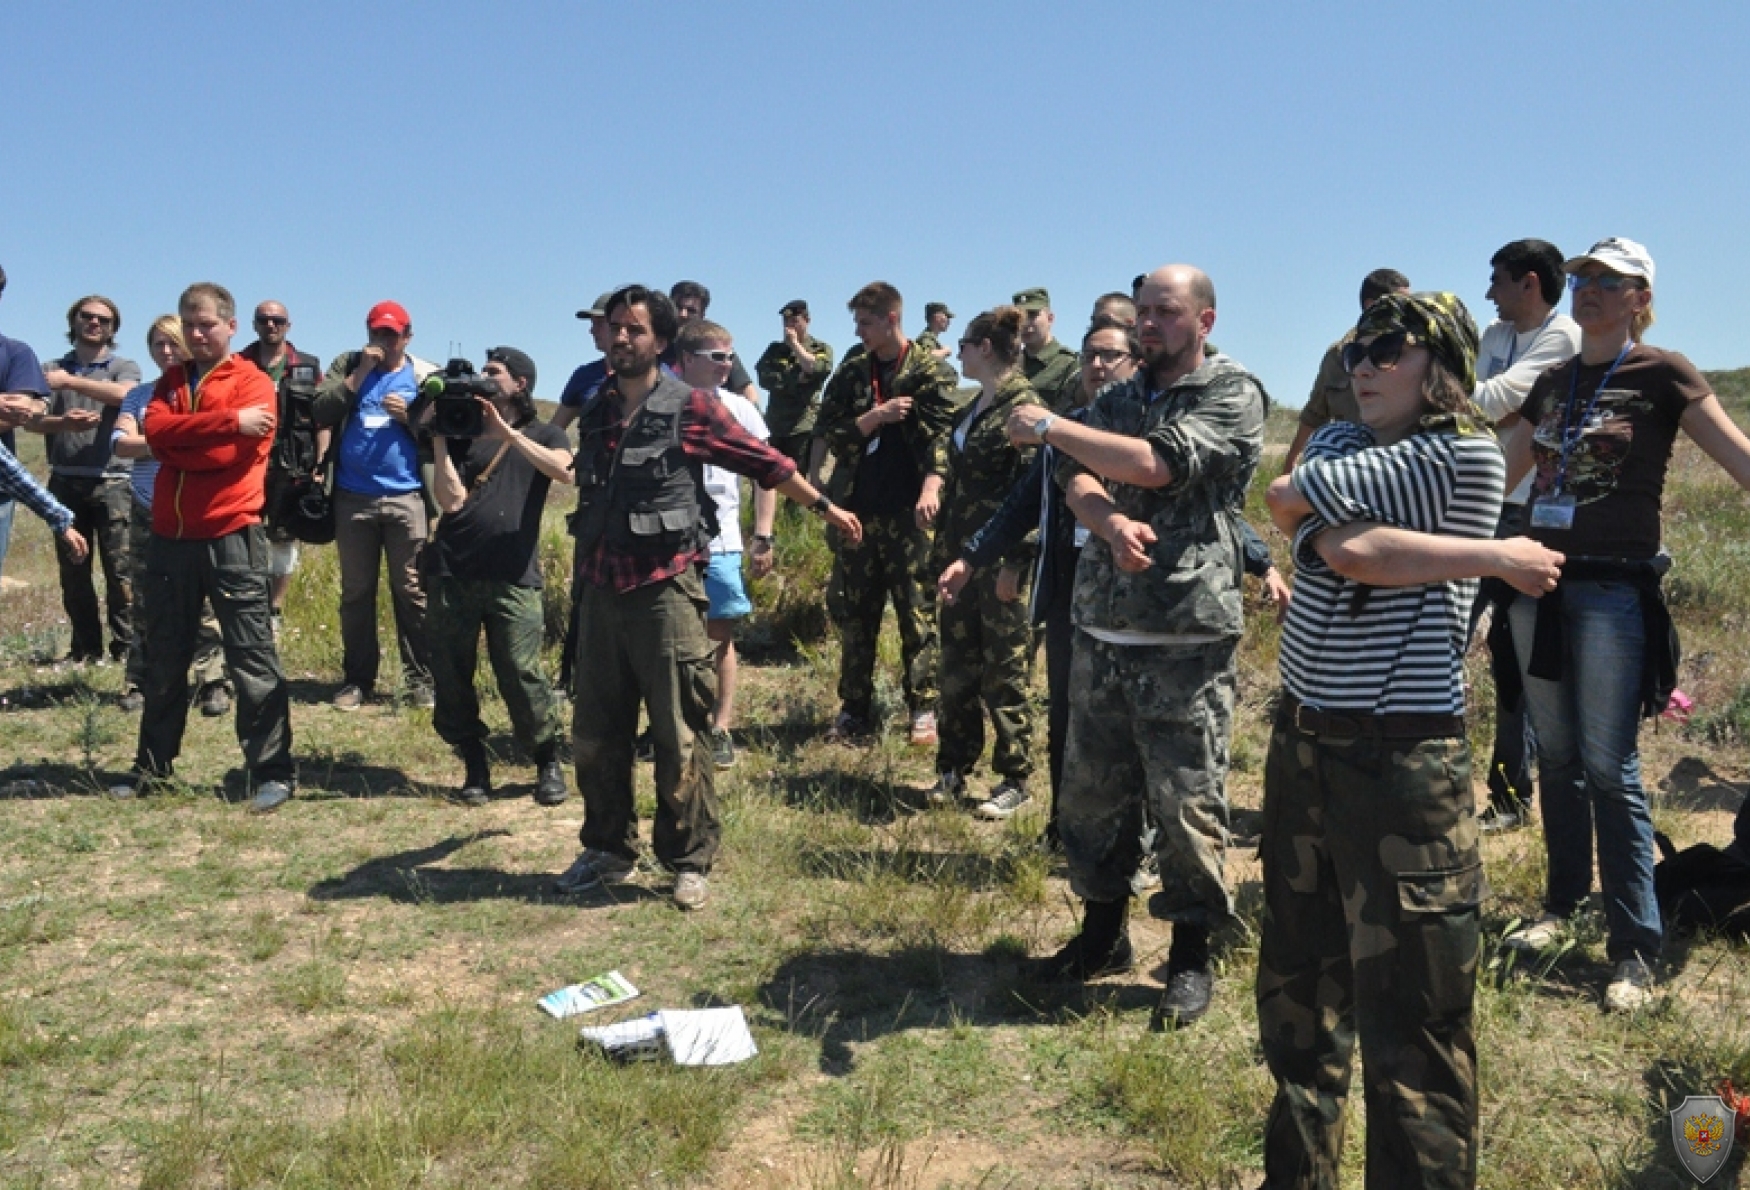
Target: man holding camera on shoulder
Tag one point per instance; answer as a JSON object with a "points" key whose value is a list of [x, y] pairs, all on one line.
{"points": [[482, 568]]}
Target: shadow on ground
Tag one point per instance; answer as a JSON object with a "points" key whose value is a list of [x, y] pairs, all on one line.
{"points": [[414, 877], [844, 998], [1693, 784]]}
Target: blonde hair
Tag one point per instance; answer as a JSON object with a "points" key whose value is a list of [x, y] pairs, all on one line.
{"points": [[1644, 318], [170, 326]]}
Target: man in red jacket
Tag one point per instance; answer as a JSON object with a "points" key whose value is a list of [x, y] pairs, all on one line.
{"points": [[210, 426]]}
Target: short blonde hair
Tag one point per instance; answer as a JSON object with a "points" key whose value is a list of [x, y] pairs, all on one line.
{"points": [[170, 326]]}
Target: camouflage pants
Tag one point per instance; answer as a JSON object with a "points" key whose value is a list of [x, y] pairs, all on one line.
{"points": [[986, 644], [1372, 883], [1149, 723], [892, 562], [456, 611]]}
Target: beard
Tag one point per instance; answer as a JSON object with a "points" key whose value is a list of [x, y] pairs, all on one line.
{"points": [[1169, 359], [631, 364]]}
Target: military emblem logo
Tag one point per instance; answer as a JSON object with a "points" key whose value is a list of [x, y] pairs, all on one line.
{"points": [[1701, 1132]]}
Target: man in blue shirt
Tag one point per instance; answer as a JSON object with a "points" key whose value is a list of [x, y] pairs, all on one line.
{"points": [[379, 503], [588, 379], [24, 394]]}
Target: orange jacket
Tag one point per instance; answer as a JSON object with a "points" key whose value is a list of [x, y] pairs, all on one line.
{"points": [[210, 474]]}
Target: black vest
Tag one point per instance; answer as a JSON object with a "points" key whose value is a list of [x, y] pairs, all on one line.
{"points": [[646, 498]]}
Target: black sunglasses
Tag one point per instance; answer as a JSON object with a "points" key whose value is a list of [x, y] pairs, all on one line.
{"points": [[99, 319], [271, 320], [1384, 351]]}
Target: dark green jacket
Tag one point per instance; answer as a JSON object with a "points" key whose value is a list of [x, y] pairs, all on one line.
{"points": [[1054, 373], [792, 395], [978, 476]]}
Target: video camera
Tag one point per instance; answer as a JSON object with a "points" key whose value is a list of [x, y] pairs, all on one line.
{"points": [[452, 392]]}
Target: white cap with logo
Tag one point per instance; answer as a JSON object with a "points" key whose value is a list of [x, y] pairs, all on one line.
{"points": [[1619, 256]]}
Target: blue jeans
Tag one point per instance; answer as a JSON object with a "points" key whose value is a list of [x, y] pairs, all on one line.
{"points": [[6, 508], [1589, 763]]}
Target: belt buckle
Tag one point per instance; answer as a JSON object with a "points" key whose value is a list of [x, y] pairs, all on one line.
{"points": [[1302, 728]]}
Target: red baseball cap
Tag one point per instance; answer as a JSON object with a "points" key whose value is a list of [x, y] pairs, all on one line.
{"points": [[391, 315]]}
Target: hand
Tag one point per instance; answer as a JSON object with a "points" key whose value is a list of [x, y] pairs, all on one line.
{"points": [[76, 547], [1008, 584], [56, 376], [1528, 567], [761, 558], [395, 405], [792, 340], [255, 422], [849, 527], [1021, 422], [370, 359], [895, 411], [75, 420], [953, 579], [929, 503], [1130, 541], [496, 427], [1277, 592], [17, 408]]}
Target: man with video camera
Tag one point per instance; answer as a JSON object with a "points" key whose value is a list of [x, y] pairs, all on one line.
{"points": [[493, 461]]}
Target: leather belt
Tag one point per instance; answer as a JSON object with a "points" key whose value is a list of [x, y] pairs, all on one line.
{"points": [[1359, 724]]}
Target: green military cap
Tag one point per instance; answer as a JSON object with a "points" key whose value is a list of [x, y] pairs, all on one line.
{"points": [[598, 309], [1033, 299], [796, 307], [935, 308]]}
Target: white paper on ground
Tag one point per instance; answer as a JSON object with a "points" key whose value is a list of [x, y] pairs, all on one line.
{"points": [[707, 1036], [644, 1030]]}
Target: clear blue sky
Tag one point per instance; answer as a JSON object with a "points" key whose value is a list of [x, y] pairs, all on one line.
{"points": [[494, 167]]}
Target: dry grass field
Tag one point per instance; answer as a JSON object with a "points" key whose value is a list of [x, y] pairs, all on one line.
{"points": [[343, 994]]}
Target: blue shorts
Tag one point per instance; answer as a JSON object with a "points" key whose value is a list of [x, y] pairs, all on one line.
{"points": [[723, 587]]}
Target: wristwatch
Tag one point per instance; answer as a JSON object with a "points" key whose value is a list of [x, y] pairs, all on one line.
{"points": [[821, 506], [1042, 426], [764, 539]]}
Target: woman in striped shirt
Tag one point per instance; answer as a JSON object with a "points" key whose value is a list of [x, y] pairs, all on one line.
{"points": [[1372, 878]]}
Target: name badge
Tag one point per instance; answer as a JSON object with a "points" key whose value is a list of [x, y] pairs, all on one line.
{"points": [[374, 421], [874, 444], [1553, 512]]}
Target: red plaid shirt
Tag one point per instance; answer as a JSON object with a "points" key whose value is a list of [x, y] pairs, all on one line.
{"points": [[709, 434]]}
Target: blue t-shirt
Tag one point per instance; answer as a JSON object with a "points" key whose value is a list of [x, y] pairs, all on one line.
{"points": [[584, 384], [378, 455], [19, 373], [146, 469]]}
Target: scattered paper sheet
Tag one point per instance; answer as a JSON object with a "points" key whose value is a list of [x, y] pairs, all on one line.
{"points": [[708, 1036], [601, 992]]}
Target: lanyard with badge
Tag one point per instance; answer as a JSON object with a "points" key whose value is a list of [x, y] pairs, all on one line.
{"points": [[881, 398], [1556, 510]]}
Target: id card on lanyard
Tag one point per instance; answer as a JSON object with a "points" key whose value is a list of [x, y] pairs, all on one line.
{"points": [[881, 398], [1555, 510]]}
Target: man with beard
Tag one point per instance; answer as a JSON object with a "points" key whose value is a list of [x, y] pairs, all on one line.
{"points": [[1159, 474], [644, 526]]}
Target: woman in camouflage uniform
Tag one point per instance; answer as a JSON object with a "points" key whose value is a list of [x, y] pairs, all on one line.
{"points": [[986, 637]]}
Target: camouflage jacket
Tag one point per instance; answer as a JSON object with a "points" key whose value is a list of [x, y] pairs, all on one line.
{"points": [[922, 377], [1055, 374], [927, 341], [791, 394], [979, 475], [1208, 428]]}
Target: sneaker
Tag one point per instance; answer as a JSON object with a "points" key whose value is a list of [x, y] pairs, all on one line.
{"points": [[138, 783], [270, 796], [1148, 874], [1187, 998], [595, 869], [422, 697], [550, 789], [948, 788], [689, 890], [1631, 987], [1546, 933], [722, 748], [1075, 963], [923, 729], [847, 729], [1004, 800], [350, 698], [133, 701], [215, 700]]}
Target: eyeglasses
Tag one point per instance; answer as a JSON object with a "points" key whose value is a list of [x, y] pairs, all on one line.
{"points": [[716, 357], [1105, 355], [1384, 351], [99, 319], [271, 320], [1608, 282]]}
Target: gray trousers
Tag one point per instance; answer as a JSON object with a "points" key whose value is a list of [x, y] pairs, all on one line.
{"points": [[367, 528]]}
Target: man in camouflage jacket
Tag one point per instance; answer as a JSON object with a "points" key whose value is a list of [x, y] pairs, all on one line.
{"points": [[1159, 474], [883, 416]]}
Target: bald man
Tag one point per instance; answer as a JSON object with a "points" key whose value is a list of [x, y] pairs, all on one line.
{"points": [[1158, 472]]}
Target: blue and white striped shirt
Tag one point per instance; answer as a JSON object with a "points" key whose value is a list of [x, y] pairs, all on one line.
{"points": [[17, 482]]}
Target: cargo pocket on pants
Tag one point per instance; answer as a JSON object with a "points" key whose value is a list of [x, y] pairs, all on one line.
{"points": [[1438, 914]]}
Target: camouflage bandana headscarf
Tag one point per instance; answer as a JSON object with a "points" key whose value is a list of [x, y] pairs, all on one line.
{"points": [[1438, 321]]}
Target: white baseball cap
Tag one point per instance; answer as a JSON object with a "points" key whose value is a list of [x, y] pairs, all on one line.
{"points": [[1619, 256]]}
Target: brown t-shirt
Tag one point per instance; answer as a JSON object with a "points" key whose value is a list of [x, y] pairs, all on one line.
{"points": [[1616, 468]]}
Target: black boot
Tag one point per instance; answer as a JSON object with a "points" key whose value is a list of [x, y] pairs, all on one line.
{"points": [[1102, 948], [1190, 981], [477, 780], [550, 787]]}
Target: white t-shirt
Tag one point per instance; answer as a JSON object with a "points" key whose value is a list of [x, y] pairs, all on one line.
{"points": [[1509, 361], [725, 486]]}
